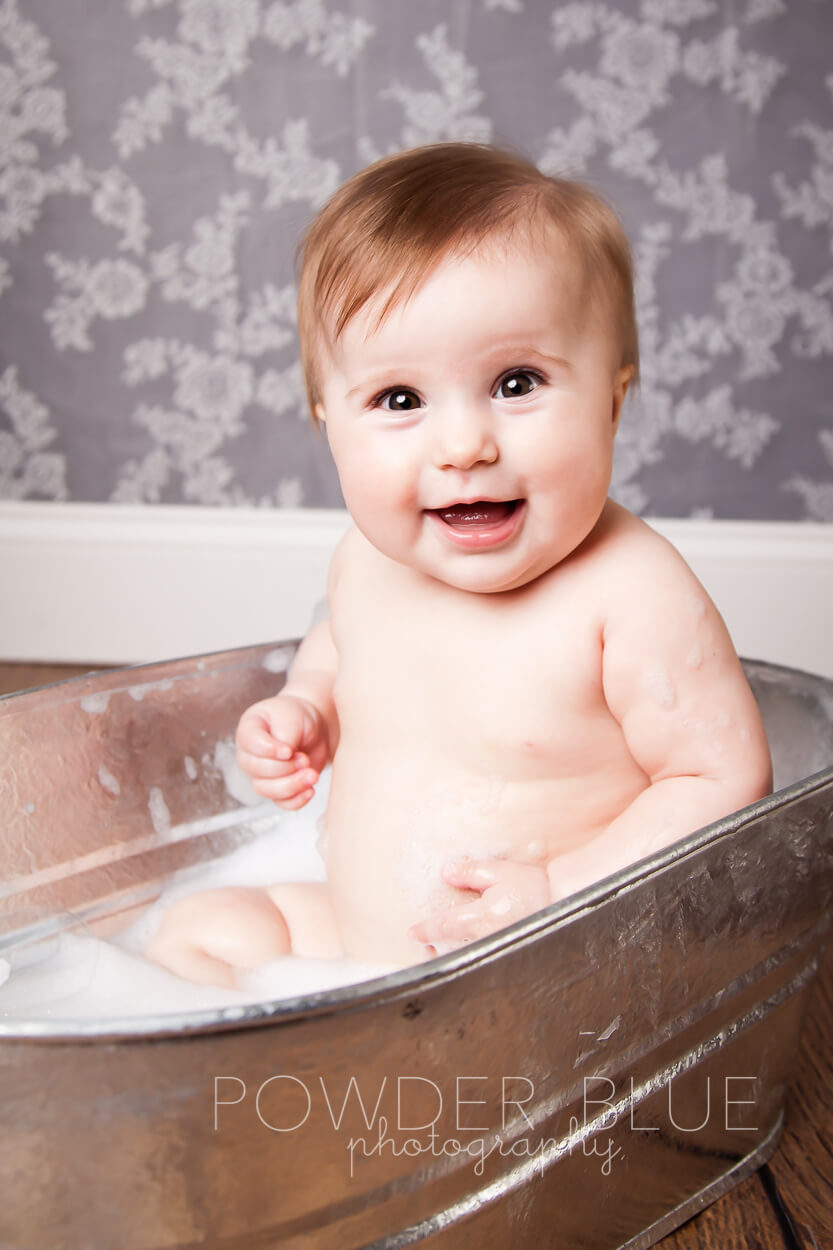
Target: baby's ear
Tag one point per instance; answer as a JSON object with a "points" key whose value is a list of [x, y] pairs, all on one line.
{"points": [[318, 412], [621, 382]]}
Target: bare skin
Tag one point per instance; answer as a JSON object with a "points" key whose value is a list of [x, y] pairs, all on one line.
{"points": [[515, 706]]}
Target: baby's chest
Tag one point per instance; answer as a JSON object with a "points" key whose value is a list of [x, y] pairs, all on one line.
{"points": [[476, 687]]}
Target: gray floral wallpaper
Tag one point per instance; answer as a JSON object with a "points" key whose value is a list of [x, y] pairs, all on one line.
{"points": [[158, 159]]}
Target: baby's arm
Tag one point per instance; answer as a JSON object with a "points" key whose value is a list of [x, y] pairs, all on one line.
{"points": [[283, 742], [672, 680]]}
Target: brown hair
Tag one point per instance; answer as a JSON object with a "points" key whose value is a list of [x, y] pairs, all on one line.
{"points": [[392, 223]]}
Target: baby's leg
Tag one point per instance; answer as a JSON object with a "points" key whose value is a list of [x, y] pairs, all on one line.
{"points": [[204, 937], [307, 910]]}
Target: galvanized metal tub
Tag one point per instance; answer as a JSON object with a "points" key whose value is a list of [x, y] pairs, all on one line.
{"points": [[590, 1077]]}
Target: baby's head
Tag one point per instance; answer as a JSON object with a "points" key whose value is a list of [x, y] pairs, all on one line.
{"points": [[389, 227]]}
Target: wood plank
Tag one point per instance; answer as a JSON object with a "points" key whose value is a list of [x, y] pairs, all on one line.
{"points": [[739, 1220], [803, 1164]]}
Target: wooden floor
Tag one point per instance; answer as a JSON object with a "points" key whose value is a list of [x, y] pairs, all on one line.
{"points": [[789, 1203]]}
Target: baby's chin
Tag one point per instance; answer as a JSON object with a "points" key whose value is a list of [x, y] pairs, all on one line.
{"points": [[476, 576]]}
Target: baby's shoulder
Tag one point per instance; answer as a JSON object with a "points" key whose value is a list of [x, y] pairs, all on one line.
{"points": [[630, 574], [630, 553], [645, 582]]}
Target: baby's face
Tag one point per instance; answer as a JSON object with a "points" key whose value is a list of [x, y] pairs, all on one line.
{"points": [[473, 429]]}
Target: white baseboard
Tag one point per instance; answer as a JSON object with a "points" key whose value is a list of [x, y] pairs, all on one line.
{"points": [[110, 584], [114, 584]]}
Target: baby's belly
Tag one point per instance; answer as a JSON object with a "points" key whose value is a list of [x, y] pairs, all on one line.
{"points": [[390, 830]]}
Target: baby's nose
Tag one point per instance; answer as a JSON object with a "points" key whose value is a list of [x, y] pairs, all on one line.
{"points": [[465, 437]]}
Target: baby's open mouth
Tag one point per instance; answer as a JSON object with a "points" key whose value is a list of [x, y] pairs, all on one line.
{"points": [[479, 525], [482, 513]]}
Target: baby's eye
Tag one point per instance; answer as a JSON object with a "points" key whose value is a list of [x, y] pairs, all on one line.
{"points": [[514, 385], [398, 401]]}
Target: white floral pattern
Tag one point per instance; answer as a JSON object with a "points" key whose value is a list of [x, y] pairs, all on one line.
{"points": [[332, 38], [25, 467], [153, 184]]}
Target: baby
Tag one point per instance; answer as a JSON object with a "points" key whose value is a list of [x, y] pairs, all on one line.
{"points": [[521, 687]]}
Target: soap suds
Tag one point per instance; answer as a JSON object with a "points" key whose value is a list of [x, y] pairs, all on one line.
{"points": [[96, 703], [108, 781], [137, 693], [160, 816], [694, 658], [657, 684], [190, 766], [278, 660], [77, 976], [418, 869], [418, 874], [237, 783]]}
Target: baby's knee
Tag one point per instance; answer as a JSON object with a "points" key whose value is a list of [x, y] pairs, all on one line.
{"points": [[204, 937]]}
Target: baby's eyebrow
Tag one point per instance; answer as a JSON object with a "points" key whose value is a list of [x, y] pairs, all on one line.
{"points": [[522, 354], [383, 383]]}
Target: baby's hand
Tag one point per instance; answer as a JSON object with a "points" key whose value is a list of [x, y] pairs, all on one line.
{"points": [[282, 746], [508, 891]]}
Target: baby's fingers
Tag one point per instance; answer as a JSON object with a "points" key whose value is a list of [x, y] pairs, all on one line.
{"points": [[254, 737], [274, 728], [511, 889], [291, 792], [472, 874], [456, 925], [266, 768]]}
